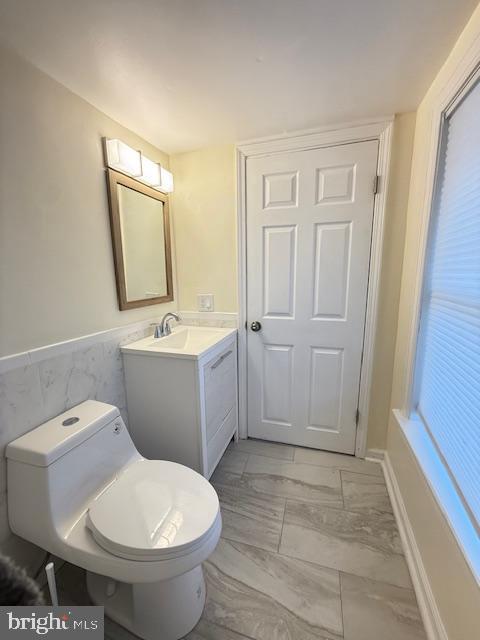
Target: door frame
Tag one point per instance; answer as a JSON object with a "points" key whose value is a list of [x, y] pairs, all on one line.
{"points": [[360, 131]]}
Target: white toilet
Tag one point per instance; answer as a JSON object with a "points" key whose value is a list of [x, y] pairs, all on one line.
{"points": [[141, 528]]}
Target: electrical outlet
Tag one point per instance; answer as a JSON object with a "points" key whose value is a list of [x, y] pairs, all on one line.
{"points": [[205, 301]]}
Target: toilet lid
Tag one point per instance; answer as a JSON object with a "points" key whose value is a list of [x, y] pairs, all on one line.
{"points": [[154, 510]]}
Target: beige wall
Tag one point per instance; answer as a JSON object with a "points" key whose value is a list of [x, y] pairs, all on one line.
{"points": [[204, 211], [456, 593], [56, 268], [455, 590], [392, 258]]}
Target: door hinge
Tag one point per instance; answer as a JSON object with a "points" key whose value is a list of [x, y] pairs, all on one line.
{"points": [[357, 417], [376, 181]]}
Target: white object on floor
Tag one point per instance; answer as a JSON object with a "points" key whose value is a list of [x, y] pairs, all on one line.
{"points": [[52, 585], [78, 488]]}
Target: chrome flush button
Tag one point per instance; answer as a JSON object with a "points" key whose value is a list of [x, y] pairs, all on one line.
{"points": [[69, 421]]}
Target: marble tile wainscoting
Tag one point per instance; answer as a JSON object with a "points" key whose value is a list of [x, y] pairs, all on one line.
{"points": [[309, 551], [227, 320], [48, 381]]}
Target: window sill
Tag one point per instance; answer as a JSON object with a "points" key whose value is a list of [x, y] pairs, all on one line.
{"points": [[442, 488]]}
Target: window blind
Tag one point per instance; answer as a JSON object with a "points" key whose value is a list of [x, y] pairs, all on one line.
{"points": [[448, 365]]}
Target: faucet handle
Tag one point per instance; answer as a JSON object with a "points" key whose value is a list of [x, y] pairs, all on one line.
{"points": [[156, 329]]}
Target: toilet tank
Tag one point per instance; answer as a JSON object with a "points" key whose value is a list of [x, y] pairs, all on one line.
{"points": [[58, 468]]}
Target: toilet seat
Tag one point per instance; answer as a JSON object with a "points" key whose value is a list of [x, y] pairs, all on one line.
{"points": [[154, 510]]}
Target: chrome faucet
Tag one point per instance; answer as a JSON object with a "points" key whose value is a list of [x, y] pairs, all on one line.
{"points": [[163, 328]]}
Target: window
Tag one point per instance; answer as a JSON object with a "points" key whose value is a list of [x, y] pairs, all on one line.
{"points": [[447, 378]]}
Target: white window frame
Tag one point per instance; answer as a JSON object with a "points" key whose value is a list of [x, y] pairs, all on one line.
{"points": [[463, 77]]}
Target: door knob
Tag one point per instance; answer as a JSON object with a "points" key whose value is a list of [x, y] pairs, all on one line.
{"points": [[255, 326]]}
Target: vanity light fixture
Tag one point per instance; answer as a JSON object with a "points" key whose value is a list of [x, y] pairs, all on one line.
{"points": [[123, 158], [150, 172], [166, 180]]}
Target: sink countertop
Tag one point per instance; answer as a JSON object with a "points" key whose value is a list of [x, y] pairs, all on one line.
{"points": [[184, 342]]}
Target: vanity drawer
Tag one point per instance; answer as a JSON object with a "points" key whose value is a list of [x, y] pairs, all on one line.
{"points": [[220, 440], [220, 388]]}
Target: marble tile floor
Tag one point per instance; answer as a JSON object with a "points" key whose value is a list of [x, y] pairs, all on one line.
{"points": [[309, 550]]}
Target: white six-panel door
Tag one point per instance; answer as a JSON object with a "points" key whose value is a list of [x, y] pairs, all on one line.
{"points": [[309, 228]]}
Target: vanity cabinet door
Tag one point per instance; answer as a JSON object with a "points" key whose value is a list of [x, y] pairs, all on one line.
{"points": [[220, 375], [220, 440]]}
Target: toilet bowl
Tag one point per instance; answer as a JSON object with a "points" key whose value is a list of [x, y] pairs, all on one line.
{"points": [[141, 528]]}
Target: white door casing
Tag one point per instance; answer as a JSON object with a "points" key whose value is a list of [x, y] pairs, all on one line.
{"points": [[308, 228]]}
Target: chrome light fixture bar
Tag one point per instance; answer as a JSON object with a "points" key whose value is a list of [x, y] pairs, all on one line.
{"points": [[133, 163]]}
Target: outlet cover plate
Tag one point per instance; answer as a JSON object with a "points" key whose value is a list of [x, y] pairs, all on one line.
{"points": [[205, 302]]}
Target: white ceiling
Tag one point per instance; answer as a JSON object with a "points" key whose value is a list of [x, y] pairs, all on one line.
{"points": [[189, 73]]}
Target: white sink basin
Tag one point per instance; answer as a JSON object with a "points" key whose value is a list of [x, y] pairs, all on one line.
{"points": [[184, 341]]}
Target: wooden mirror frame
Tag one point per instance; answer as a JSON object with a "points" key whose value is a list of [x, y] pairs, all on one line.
{"points": [[115, 178]]}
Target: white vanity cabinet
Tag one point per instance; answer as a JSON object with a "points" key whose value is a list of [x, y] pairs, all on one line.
{"points": [[182, 395]]}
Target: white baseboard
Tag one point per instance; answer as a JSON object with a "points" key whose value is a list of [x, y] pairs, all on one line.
{"points": [[426, 602]]}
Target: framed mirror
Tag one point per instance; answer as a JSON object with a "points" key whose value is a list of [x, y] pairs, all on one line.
{"points": [[140, 227]]}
